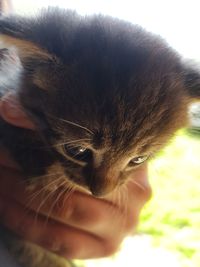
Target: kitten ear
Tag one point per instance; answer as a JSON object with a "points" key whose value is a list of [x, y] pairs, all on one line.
{"points": [[25, 49], [192, 81], [10, 70], [12, 112]]}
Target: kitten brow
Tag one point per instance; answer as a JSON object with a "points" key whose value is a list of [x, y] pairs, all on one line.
{"points": [[73, 142], [77, 125]]}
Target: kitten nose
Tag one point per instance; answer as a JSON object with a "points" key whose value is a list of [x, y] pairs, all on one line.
{"points": [[98, 192], [99, 188], [102, 181]]}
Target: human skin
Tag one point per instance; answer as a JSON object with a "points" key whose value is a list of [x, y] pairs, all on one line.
{"points": [[76, 226]]}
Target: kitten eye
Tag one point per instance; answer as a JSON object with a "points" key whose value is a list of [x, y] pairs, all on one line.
{"points": [[78, 153], [137, 160]]}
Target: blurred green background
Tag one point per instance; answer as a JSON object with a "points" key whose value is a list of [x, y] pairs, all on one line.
{"points": [[172, 217]]}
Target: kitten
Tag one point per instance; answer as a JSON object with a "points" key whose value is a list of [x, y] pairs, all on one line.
{"points": [[104, 94]]}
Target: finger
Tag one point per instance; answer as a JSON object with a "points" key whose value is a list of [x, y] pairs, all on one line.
{"points": [[64, 240], [6, 160], [11, 181], [139, 187], [12, 112], [84, 211], [80, 210], [97, 215], [138, 192]]}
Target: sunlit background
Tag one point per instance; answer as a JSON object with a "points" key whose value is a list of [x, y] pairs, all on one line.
{"points": [[176, 20], [169, 232]]}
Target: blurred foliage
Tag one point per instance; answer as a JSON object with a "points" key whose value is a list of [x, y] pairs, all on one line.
{"points": [[173, 215]]}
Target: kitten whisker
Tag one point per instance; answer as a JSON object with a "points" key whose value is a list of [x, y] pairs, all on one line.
{"points": [[43, 189], [66, 192], [45, 175], [66, 143], [73, 142], [121, 201], [54, 202], [40, 177], [69, 190], [48, 195], [73, 124], [138, 184], [115, 203], [37, 211], [124, 205]]}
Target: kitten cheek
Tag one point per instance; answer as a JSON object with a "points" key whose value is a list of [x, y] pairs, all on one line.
{"points": [[12, 112]]}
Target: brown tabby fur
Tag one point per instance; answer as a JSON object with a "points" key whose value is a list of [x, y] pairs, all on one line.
{"points": [[92, 82]]}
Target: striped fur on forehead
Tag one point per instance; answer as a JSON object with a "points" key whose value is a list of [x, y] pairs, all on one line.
{"points": [[154, 113]]}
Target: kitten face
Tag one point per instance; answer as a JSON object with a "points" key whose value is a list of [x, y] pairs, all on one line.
{"points": [[105, 95], [100, 128]]}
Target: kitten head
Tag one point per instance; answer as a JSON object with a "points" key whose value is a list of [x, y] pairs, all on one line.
{"points": [[104, 94]]}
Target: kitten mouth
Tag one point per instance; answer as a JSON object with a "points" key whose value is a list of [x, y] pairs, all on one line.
{"points": [[100, 192], [95, 190], [78, 182]]}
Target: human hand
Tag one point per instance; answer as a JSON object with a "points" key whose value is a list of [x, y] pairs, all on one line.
{"points": [[78, 226]]}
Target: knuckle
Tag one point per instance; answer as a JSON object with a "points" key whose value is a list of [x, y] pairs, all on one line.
{"points": [[92, 221], [71, 251], [111, 247], [144, 193], [131, 223], [147, 193], [21, 227]]}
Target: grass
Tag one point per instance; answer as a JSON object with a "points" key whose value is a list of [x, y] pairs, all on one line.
{"points": [[172, 217]]}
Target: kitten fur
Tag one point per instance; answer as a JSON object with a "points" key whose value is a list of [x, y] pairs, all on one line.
{"points": [[104, 94]]}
